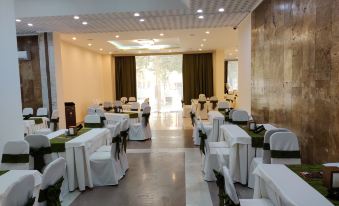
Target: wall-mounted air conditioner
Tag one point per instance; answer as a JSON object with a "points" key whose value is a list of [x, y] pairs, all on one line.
{"points": [[24, 55]]}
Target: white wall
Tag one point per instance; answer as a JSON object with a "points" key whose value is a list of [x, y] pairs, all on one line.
{"points": [[218, 73], [11, 123], [244, 100], [84, 77]]}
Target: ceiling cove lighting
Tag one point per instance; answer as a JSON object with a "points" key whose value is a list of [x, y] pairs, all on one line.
{"points": [[18, 20], [30, 24], [76, 17], [84, 23], [201, 17], [199, 11], [74, 38], [141, 44], [136, 14], [221, 10]]}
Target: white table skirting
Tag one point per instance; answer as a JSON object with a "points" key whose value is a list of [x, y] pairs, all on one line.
{"points": [[285, 188]]}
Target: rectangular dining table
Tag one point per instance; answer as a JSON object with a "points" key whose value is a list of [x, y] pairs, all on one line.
{"points": [[77, 154]]}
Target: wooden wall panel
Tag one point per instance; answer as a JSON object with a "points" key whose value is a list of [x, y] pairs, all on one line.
{"points": [[30, 76], [295, 72]]}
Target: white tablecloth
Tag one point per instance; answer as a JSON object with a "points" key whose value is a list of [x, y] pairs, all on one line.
{"points": [[13, 176], [284, 187], [121, 117], [78, 151], [216, 119], [242, 152]]}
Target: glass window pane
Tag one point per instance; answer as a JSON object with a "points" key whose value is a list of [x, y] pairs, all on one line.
{"points": [[232, 77]]}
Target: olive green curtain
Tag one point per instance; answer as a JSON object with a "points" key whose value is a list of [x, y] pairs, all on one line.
{"points": [[125, 77], [197, 72]]}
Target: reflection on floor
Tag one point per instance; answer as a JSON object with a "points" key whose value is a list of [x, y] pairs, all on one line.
{"points": [[163, 171]]}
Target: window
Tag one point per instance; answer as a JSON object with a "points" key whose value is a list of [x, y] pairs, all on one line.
{"points": [[232, 74]]}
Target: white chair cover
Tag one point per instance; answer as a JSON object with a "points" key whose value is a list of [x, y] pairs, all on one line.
{"points": [[202, 108], [132, 99], [52, 173], [27, 111], [202, 96], [108, 104], [146, 101], [100, 112], [213, 99], [229, 186], [94, 118], [38, 141], [239, 116], [15, 148], [91, 110], [135, 106], [143, 105], [118, 103], [223, 105], [284, 141], [19, 193], [123, 100], [105, 167], [42, 112], [211, 160], [141, 131]]}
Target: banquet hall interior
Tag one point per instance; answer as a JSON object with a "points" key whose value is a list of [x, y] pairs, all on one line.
{"points": [[169, 102]]}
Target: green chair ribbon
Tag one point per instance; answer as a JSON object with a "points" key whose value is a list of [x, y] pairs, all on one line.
{"points": [[15, 158], [30, 201], [108, 108], [192, 118], [266, 146], [214, 103], [94, 125], [239, 122], [202, 103], [224, 199], [38, 155], [3, 172], [135, 110], [221, 109], [285, 154], [124, 135], [203, 137], [55, 123], [146, 116], [51, 194], [37, 120], [117, 141]]}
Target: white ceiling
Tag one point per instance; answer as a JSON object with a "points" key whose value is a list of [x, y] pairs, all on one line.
{"points": [[188, 40]]}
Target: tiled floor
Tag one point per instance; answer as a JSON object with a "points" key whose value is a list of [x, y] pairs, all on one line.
{"points": [[163, 171]]}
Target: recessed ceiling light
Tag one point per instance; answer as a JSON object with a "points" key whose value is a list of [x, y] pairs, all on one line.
{"points": [[201, 17], [29, 24], [221, 10], [204, 39], [141, 20], [136, 14], [170, 50], [117, 36], [139, 52], [199, 11], [84, 23], [200, 49], [162, 34], [236, 50], [230, 54], [201, 45], [18, 20], [109, 52], [74, 38], [76, 17], [101, 49], [207, 32], [89, 44]]}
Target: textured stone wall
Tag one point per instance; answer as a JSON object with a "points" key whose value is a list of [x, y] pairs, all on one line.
{"points": [[30, 76], [295, 72]]}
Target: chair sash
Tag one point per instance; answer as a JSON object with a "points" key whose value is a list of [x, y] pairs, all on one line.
{"points": [[214, 103], [38, 156], [108, 108], [117, 109], [55, 123], [224, 199], [192, 118], [30, 201], [203, 137], [146, 116], [94, 125], [26, 117], [15, 158], [182, 103], [221, 109], [135, 110], [124, 135], [285, 154], [51, 194], [202, 103], [117, 141]]}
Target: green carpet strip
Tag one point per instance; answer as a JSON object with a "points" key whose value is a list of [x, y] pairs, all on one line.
{"points": [[316, 183], [58, 143]]}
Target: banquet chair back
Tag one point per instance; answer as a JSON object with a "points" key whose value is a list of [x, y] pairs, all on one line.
{"points": [[146, 100], [93, 121], [202, 96], [229, 186], [145, 122], [42, 112], [51, 182], [213, 103], [91, 110], [118, 103], [143, 105], [15, 156], [135, 106], [54, 120], [123, 100], [222, 105], [266, 159], [132, 99], [27, 111], [108, 106], [239, 116], [20, 193], [285, 148], [40, 151], [216, 123], [202, 108]]}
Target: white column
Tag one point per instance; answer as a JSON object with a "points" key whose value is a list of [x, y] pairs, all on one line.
{"points": [[11, 123], [219, 73], [244, 72]]}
